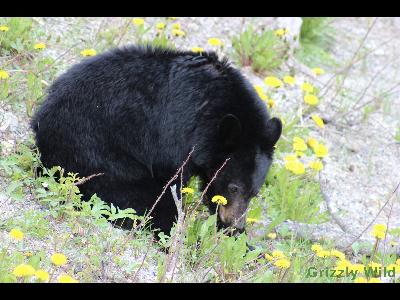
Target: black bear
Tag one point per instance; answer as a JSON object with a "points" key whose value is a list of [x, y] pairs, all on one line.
{"points": [[135, 113]]}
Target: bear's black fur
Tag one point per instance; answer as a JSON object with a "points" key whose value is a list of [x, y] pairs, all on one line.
{"points": [[135, 113]]}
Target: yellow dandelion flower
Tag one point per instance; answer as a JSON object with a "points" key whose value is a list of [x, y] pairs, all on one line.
{"points": [[281, 32], [16, 234], [39, 46], [88, 52], [42, 275], [23, 270], [312, 142], [295, 166], [398, 261], [278, 254], [299, 144], [66, 279], [268, 257], [176, 26], [318, 71], [338, 254], [273, 82], [323, 253], [316, 248], [4, 28], [187, 190], [138, 21], [394, 267], [28, 254], [3, 74], [343, 264], [260, 91], [307, 87], [320, 150], [318, 121], [282, 263], [251, 220], [58, 259], [316, 165], [270, 103], [219, 200], [160, 26], [290, 157], [311, 99], [197, 49], [290, 80], [271, 235], [374, 280], [360, 280], [215, 42], [358, 267], [379, 231], [178, 32]]}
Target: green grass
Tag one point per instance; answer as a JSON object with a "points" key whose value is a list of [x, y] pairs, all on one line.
{"points": [[263, 51]]}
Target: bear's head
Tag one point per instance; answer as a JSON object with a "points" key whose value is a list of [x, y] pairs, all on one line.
{"points": [[244, 173]]}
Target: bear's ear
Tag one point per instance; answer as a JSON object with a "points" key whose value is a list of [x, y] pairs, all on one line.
{"points": [[273, 132], [229, 130]]}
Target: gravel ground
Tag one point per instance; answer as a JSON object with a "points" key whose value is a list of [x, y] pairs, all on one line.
{"points": [[361, 170]]}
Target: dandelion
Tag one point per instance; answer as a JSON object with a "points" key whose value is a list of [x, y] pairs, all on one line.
{"points": [[176, 26], [290, 80], [187, 190], [320, 150], [278, 254], [360, 280], [160, 26], [58, 259], [3, 74], [342, 265], [215, 42], [312, 142], [357, 267], [295, 166], [318, 121], [290, 157], [4, 28], [23, 270], [88, 52], [281, 32], [318, 71], [323, 253], [307, 87], [270, 103], [379, 231], [66, 279], [198, 49], [138, 21], [282, 263], [374, 280], [338, 254], [42, 275], [398, 261], [311, 99], [251, 220], [16, 234], [178, 32], [28, 254], [271, 235], [316, 165], [316, 247], [273, 82], [299, 144], [268, 257], [219, 200], [394, 267], [39, 46]]}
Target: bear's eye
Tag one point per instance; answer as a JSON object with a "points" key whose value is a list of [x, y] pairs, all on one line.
{"points": [[233, 188]]}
